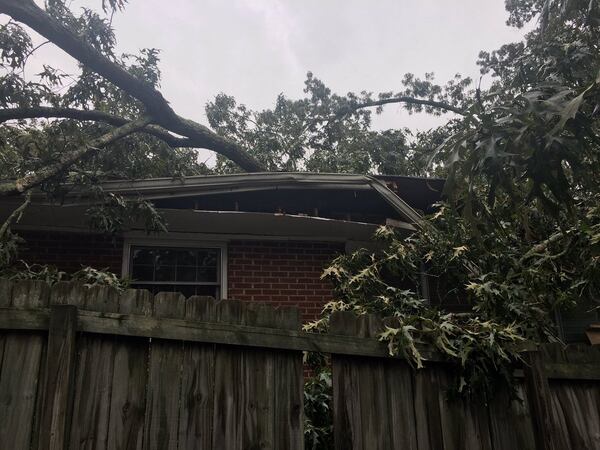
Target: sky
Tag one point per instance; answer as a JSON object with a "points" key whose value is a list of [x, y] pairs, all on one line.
{"points": [[257, 49]]}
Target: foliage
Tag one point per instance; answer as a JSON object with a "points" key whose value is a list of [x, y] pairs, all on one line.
{"points": [[29, 145], [318, 395], [518, 237], [89, 276], [112, 213], [327, 132]]}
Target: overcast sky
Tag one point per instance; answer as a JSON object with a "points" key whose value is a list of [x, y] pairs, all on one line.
{"points": [[256, 49]]}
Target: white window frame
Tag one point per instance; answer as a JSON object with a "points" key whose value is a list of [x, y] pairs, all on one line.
{"points": [[174, 242]]}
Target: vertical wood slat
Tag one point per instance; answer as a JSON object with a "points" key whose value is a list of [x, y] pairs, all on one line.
{"points": [[373, 398], [229, 390], [20, 371], [540, 402], [58, 386], [93, 376], [258, 380], [510, 421], [575, 405], [197, 382], [6, 287], [248, 380], [161, 425], [288, 387], [128, 397], [381, 404]]}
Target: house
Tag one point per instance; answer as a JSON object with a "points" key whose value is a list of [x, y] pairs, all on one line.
{"points": [[256, 237]]}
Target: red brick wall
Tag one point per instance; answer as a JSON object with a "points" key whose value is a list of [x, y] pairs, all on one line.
{"points": [[281, 273], [70, 251]]}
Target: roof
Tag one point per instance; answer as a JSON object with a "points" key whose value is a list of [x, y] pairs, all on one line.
{"points": [[419, 192], [291, 205], [203, 185]]}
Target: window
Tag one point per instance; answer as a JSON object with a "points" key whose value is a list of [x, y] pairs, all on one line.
{"points": [[189, 270]]}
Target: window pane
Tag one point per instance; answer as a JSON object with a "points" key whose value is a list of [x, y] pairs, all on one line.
{"points": [[186, 273], [143, 256], [207, 274], [186, 258], [142, 273], [208, 257], [164, 273], [166, 256]]}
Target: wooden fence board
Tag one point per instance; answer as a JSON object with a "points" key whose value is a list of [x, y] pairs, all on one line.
{"points": [[197, 382], [545, 427], [259, 381], [93, 380], [510, 422], [58, 384], [164, 380], [288, 387], [20, 370], [229, 393], [399, 396], [427, 410], [375, 410], [289, 398], [128, 398], [576, 409], [6, 287]]}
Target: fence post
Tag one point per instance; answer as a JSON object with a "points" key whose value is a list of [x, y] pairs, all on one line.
{"points": [[540, 402], [58, 395]]}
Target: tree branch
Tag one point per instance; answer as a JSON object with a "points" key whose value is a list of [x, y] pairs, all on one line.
{"points": [[15, 216], [27, 182], [47, 112], [408, 100], [27, 12]]}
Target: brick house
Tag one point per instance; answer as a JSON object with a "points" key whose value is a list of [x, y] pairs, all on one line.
{"points": [[256, 237]]}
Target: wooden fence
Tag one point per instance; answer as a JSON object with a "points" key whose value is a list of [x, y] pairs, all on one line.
{"points": [[94, 369]]}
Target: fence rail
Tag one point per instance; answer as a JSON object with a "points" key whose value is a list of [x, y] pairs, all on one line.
{"points": [[94, 368], [134, 325]]}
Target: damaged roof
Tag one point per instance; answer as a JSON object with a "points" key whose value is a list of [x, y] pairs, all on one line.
{"points": [[332, 206], [291, 187]]}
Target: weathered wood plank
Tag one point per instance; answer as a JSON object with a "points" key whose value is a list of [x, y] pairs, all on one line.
{"points": [[6, 287], [93, 380], [258, 382], [217, 333], [164, 380], [229, 393], [399, 396], [288, 387], [289, 398], [428, 416], [576, 409], [128, 398], [510, 422], [20, 370], [540, 403], [58, 386], [197, 382], [247, 382], [374, 404]]}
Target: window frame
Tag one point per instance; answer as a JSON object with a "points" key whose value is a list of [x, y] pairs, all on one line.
{"points": [[179, 243]]}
